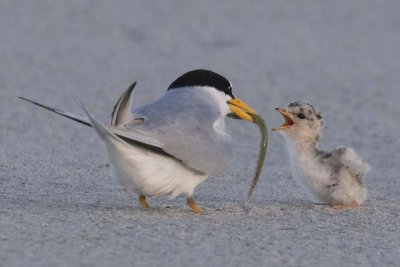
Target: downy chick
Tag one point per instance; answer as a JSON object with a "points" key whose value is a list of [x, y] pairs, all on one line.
{"points": [[333, 178]]}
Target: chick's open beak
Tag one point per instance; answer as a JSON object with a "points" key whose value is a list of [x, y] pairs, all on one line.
{"points": [[241, 110], [288, 120]]}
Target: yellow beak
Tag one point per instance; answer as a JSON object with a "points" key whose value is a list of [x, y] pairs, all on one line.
{"points": [[240, 109]]}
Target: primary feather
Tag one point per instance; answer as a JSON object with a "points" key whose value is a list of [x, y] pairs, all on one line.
{"points": [[122, 110]]}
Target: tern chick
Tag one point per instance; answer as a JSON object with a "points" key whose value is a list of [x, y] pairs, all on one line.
{"points": [[333, 178], [170, 146]]}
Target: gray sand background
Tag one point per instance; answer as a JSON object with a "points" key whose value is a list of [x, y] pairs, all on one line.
{"points": [[59, 205]]}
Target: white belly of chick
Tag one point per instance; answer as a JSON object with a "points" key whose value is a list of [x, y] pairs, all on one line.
{"points": [[148, 173], [312, 176]]}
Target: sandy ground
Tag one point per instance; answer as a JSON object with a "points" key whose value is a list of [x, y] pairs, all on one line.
{"points": [[59, 205]]}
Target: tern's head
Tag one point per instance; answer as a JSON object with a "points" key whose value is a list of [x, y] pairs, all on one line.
{"points": [[221, 90], [302, 121]]}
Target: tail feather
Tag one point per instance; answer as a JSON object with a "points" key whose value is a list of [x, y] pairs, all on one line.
{"points": [[102, 131], [109, 133], [66, 114]]}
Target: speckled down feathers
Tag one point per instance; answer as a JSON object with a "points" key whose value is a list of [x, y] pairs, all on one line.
{"points": [[333, 177]]}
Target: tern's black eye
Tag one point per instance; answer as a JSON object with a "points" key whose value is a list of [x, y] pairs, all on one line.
{"points": [[301, 116]]}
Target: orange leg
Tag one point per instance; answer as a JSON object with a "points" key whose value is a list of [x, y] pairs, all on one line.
{"points": [[193, 205], [352, 205], [142, 200]]}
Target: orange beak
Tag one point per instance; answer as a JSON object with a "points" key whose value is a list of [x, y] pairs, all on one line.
{"points": [[288, 120]]}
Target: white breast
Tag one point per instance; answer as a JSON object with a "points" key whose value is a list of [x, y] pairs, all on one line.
{"points": [[311, 174]]}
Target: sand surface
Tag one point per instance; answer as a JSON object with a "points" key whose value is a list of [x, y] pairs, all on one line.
{"points": [[59, 205]]}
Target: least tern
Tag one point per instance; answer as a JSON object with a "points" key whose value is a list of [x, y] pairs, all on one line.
{"points": [[334, 177], [174, 143]]}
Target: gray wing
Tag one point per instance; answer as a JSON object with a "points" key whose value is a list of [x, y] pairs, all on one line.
{"points": [[183, 121], [180, 123]]}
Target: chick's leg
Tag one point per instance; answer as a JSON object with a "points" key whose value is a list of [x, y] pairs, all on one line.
{"points": [[193, 205], [352, 205], [142, 200]]}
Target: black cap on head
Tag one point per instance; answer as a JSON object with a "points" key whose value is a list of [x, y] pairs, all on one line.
{"points": [[203, 78]]}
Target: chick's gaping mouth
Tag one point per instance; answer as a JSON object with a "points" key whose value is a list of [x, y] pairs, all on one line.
{"points": [[288, 120]]}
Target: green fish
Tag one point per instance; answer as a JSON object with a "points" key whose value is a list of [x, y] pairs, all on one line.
{"points": [[262, 152]]}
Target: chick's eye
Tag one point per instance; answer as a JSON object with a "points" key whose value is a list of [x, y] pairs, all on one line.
{"points": [[301, 116]]}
